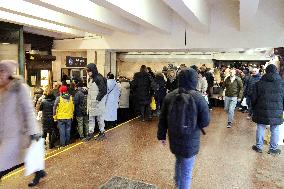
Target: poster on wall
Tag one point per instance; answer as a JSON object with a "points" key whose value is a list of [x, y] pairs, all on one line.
{"points": [[76, 61]]}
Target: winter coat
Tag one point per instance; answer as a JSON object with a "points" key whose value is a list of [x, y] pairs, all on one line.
{"points": [[187, 146], [38, 103], [202, 84], [141, 86], [112, 100], [47, 113], [124, 88], [210, 79], [235, 88], [162, 90], [97, 90], [79, 102], [250, 83], [17, 123], [172, 85], [267, 100], [63, 107]]}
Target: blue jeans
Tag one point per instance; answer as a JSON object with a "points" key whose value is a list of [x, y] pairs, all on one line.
{"points": [[64, 126], [183, 171], [260, 131], [230, 105]]}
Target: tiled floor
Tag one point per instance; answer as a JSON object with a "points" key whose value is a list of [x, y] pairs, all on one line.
{"points": [[225, 161]]}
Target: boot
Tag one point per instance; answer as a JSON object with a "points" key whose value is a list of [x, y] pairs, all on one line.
{"points": [[101, 136], [90, 136], [38, 176]]}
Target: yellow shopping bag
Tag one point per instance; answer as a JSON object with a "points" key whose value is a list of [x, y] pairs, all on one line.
{"points": [[153, 105]]}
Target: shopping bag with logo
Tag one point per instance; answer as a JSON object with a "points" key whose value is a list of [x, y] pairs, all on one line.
{"points": [[34, 159]]}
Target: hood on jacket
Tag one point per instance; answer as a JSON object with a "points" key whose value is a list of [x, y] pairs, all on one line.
{"points": [[93, 68], [188, 79], [271, 74], [66, 96]]}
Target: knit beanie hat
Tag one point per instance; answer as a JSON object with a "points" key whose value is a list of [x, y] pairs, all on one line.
{"points": [[271, 68], [63, 89], [10, 66]]}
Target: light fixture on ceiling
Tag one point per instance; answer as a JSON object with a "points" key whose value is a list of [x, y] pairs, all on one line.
{"points": [[5, 43]]}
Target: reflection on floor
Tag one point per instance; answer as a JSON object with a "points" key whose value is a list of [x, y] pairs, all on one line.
{"points": [[132, 151]]}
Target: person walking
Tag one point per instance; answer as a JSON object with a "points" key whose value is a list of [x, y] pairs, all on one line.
{"points": [[112, 101], [96, 103], [18, 125], [184, 115], [234, 91], [267, 107], [63, 112]]}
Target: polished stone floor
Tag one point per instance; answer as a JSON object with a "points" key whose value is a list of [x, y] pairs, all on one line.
{"points": [[132, 151]]}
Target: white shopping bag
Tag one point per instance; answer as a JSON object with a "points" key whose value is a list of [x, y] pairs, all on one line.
{"points": [[34, 160], [244, 102]]}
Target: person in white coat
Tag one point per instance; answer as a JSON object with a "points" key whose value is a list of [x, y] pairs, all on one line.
{"points": [[96, 101], [112, 99], [18, 125], [123, 110]]}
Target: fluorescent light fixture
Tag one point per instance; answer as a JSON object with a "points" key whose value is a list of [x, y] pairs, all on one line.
{"points": [[22, 20], [5, 43]]}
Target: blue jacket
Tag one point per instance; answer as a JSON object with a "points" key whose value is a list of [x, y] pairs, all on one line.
{"points": [[187, 146]]}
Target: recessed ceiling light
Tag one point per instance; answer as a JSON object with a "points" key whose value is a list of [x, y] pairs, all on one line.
{"points": [[5, 43]]}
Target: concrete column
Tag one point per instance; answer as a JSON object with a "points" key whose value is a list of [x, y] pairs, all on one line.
{"points": [[101, 61], [21, 53]]}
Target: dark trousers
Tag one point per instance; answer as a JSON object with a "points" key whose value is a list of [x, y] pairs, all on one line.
{"points": [[123, 115], [145, 111]]}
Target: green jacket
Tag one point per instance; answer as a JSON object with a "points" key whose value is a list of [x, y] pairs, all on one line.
{"points": [[235, 88]]}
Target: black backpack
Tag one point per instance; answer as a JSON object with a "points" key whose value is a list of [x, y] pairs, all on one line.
{"points": [[182, 114]]}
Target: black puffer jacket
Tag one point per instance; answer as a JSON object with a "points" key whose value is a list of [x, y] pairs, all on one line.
{"points": [[188, 145], [161, 92], [268, 97], [100, 81], [47, 113], [141, 86], [80, 102], [250, 83]]}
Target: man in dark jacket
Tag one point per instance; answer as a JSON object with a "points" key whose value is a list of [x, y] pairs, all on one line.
{"points": [[267, 106], [80, 102], [234, 92], [255, 77], [187, 147], [141, 86]]}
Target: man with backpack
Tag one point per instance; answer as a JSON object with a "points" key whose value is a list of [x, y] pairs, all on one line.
{"points": [[63, 111], [80, 102], [184, 115]]}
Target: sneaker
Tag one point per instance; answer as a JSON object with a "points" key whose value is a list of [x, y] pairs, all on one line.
{"points": [[89, 137], [229, 125], [256, 149], [101, 136], [274, 152]]}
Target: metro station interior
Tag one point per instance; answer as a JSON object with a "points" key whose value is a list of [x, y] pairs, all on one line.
{"points": [[53, 42]]}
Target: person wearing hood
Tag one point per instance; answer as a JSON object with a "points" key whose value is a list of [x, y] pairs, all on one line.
{"points": [[267, 107], [255, 77], [186, 146], [80, 102], [112, 101], [46, 107], [96, 102], [18, 125], [234, 92], [63, 112]]}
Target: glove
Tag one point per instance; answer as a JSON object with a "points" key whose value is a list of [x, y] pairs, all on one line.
{"points": [[35, 137]]}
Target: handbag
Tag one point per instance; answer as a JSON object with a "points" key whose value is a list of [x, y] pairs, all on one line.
{"points": [[34, 159]]}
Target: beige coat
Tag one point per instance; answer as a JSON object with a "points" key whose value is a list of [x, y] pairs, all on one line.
{"points": [[95, 108], [17, 123]]}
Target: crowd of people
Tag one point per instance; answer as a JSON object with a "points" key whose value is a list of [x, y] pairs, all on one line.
{"points": [[168, 94]]}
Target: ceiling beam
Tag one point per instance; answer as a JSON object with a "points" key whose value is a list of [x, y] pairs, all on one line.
{"points": [[152, 14], [31, 22], [248, 10], [89, 11], [44, 14], [195, 12]]}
